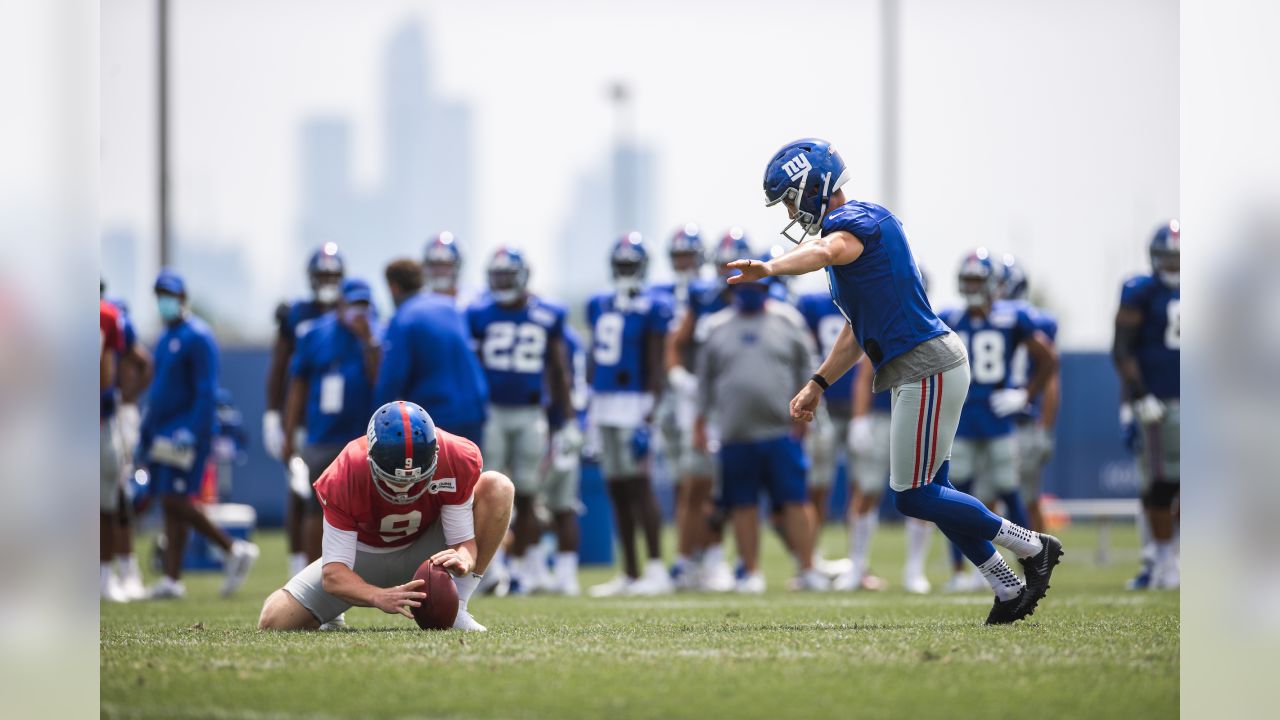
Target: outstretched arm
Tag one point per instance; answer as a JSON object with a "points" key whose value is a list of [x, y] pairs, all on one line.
{"points": [[838, 248]]}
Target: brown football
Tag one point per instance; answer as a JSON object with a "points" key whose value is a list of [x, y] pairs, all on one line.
{"points": [[440, 606]]}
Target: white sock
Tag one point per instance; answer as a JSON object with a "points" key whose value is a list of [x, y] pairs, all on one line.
{"points": [[1001, 577], [104, 575], [713, 555], [566, 567], [466, 585], [297, 563], [1164, 552], [1145, 537], [536, 556], [918, 535], [127, 566], [860, 539], [1020, 540], [682, 561]]}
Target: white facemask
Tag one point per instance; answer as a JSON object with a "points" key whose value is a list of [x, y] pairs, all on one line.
{"points": [[328, 293]]}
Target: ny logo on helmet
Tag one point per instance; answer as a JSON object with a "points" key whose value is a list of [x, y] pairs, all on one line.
{"points": [[797, 166]]}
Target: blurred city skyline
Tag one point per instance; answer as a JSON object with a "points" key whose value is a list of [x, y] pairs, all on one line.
{"points": [[376, 125]]}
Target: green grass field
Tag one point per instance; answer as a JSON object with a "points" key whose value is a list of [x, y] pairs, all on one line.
{"points": [[1091, 650]]}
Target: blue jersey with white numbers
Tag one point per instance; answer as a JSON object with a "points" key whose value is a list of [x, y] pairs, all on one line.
{"points": [[991, 342], [1160, 335], [825, 322], [881, 293], [296, 318], [513, 344], [1023, 366], [618, 337]]}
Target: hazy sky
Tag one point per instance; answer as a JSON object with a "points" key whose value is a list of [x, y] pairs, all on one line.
{"points": [[1047, 130]]}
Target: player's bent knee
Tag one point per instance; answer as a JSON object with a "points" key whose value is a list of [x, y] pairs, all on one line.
{"points": [[1160, 495], [282, 611]]}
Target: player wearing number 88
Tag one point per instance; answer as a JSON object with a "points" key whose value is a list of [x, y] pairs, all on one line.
{"points": [[520, 341], [984, 456], [404, 492]]}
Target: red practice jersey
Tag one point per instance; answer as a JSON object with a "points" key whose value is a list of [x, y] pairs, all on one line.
{"points": [[351, 502], [111, 327]]}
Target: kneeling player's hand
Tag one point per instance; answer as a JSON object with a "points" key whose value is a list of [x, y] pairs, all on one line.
{"points": [[805, 403], [399, 599], [457, 562]]}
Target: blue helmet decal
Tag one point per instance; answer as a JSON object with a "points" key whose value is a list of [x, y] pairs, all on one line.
{"points": [[403, 451], [804, 174]]}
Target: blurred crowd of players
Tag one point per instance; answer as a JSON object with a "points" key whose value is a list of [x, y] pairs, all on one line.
{"points": [[690, 374]]}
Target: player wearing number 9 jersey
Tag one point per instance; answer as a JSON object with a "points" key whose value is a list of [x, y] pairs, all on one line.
{"points": [[628, 334], [404, 492], [520, 341], [1148, 342]]}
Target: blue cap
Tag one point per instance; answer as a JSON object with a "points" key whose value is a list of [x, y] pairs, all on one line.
{"points": [[356, 290], [169, 281]]}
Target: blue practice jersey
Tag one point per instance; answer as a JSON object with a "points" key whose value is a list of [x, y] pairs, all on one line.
{"points": [[825, 322], [184, 389], [339, 395], [881, 293], [294, 319], [427, 359], [1023, 366], [618, 337], [991, 342], [513, 344], [1160, 336]]}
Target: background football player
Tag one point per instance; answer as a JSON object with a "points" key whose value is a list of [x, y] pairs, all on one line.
{"points": [[1146, 352], [325, 270], [1035, 425], [984, 456], [404, 492], [520, 341], [628, 330]]}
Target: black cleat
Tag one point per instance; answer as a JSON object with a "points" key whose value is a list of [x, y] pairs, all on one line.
{"points": [[1007, 611], [1037, 570]]}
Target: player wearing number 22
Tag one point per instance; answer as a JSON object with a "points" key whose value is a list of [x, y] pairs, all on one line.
{"points": [[402, 493], [520, 339], [984, 456], [876, 284]]}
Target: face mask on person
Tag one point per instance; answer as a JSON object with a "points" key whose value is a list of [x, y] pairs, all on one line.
{"points": [[352, 313], [750, 298], [328, 293], [170, 307]]}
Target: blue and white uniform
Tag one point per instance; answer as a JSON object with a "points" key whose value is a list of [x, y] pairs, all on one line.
{"points": [[181, 417], [1158, 354], [514, 344], [913, 352], [622, 325], [985, 450]]}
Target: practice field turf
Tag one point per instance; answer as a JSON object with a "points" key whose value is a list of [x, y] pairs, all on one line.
{"points": [[1092, 650]]}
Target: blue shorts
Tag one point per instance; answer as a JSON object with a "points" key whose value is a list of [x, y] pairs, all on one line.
{"points": [[169, 480], [778, 466]]}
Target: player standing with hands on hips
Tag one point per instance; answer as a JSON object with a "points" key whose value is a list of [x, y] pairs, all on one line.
{"points": [[876, 284]]}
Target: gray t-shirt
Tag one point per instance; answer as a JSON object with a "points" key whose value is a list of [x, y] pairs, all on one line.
{"points": [[749, 367], [930, 357]]}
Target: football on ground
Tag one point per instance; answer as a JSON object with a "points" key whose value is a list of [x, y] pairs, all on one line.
{"points": [[440, 607], [1091, 650]]}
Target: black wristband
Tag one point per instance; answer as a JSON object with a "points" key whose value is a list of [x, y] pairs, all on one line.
{"points": [[821, 381]]}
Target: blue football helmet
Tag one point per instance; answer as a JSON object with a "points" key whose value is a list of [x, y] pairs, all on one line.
{"points": [[403, 451], [1013, 279], [978, 279], [629, 263], [441, 263], [1166, 250], [686, 252], [733, 245], [508, 275], [803, 175], [325, 269]]}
